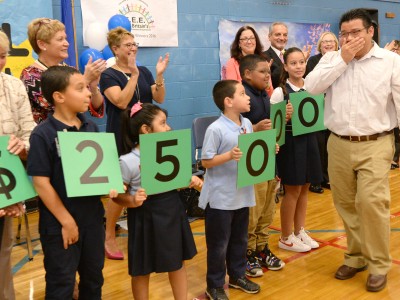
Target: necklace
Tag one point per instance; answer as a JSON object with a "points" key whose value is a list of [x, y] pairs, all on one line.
{"points": [[41, 64], [137, 91]]}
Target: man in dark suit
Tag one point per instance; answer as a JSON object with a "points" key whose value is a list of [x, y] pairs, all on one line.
{"points": [[278, 36]]}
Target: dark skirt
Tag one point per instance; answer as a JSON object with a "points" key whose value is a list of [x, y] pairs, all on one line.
{"points": [[298, 160], [159, 235]]}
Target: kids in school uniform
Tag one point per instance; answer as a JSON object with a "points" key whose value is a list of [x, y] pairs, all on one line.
{"points": [[256, 75], [71, 228], [226, 207], [159, 234]]}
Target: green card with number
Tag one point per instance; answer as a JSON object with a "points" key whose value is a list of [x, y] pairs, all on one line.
{"points": [[165, 160], [258, 161], [278, 119], [90, 163], [308, 112], [15, 185]]}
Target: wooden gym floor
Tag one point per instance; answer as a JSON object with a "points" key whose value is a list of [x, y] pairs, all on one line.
{"points": [[305, 276]]}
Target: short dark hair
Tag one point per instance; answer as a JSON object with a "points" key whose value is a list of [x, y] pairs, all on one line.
{"points": [[223, 89], [56, 79], [249, 62], [357, 13], [236, 52]]}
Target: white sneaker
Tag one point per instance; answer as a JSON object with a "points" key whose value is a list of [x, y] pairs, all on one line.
{"points": [[293, 244], [306, 239]]}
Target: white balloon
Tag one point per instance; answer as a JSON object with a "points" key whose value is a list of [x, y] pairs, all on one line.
{"points": [[110, 62], [96, 36]]}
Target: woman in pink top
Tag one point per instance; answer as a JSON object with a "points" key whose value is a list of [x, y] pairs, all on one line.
{"points": [[246, 42]]}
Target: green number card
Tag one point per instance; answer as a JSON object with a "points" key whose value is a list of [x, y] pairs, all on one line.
{"points": [[278, 118], [90, 163], [165, 160], [14, 183], [258, 161], [308, 112]]}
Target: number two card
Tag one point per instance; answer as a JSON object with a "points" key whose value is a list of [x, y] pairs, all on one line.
{"points": [[90, 163]]}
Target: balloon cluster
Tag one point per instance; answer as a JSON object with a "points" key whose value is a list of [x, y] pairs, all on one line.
{"points": [[96, 39]]}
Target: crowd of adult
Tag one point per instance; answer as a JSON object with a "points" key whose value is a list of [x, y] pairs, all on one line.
{"points": [[360, 142]]}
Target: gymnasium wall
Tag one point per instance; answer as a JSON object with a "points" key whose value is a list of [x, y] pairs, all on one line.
{"points": [[194, 66]]}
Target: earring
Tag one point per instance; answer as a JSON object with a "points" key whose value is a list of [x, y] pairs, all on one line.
{"points": [[44, 49]]}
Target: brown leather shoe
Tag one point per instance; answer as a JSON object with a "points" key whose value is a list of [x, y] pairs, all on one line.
{"points": [[376, 282], [345, 272]]}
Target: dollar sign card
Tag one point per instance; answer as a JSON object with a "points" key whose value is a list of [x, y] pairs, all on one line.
{"points": [[15, 185]]}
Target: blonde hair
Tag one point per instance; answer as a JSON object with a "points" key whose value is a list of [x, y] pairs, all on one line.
{"points": [[4, 41], [115, 37], [322, 36], [43, 29]]}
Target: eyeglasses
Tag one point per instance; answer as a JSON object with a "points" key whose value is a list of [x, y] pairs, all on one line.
{"points": [[328, 42], [353, 33], [246, 40], [40, 23], [265, 72], [131, 45]]}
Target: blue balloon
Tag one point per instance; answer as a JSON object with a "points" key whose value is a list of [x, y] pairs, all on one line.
{"points": [[85, 56], [119, 20], [107, 53]]}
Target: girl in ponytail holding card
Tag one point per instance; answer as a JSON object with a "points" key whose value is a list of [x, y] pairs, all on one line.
{"points": [[159, 234], [296, 161]]}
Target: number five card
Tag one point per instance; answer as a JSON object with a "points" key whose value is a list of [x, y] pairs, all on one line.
{"points": [[90, 163], [165, 160], [258, 161], [14, 183]]}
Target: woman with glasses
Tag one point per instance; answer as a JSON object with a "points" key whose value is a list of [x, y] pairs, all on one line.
{"points": [[49, 41], [123, 85], [246, 42], [326, 43]]}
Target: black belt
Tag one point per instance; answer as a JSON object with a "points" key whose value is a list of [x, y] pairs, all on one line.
{"points": [[363, 138]]}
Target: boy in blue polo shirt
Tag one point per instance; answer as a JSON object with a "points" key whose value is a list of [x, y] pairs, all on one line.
{"points": [[226, 207], [256, 75], [71, 229]]}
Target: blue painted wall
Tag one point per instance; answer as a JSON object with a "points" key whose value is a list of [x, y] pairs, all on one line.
{"points": [[194, 65]]}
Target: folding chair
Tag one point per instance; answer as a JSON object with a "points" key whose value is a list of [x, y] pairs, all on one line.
{"points": [[199, 127], [27, 231]]}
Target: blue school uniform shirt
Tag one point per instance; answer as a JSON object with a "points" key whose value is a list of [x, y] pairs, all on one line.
{"points": [[44, 160], [130, 169], [219, 189]]}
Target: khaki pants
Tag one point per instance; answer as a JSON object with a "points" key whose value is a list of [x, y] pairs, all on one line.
{"points": [[262, 214], [6, 281], [358, 173]]}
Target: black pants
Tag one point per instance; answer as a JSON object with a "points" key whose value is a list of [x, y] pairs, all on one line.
{"points": [[396, 133], [226, 238], [86, 257], [322, 139]]}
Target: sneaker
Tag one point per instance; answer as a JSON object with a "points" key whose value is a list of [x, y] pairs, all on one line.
{"points": [[216, 293], [253, 268], [306, 239], [268, 260], [245, 285], [293, 244]]}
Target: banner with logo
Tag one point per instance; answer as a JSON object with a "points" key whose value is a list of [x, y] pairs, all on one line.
{"points": [[15, 15], [154, 23], [299, 35]]}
